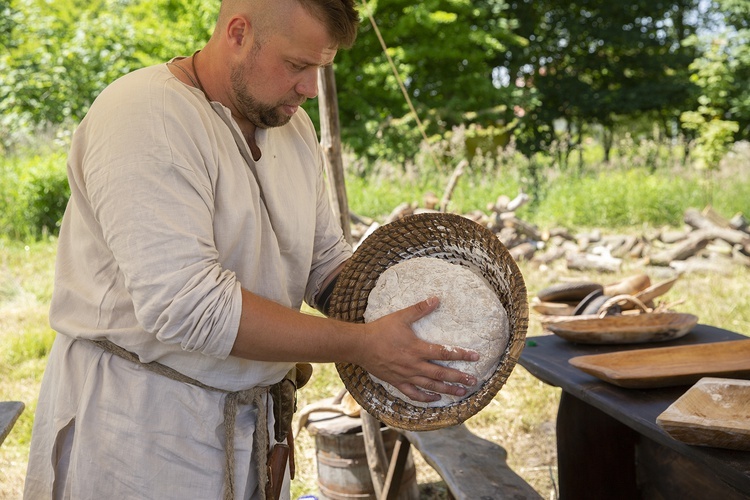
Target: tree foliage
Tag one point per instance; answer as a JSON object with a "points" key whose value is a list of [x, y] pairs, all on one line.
{"points": [[599, 62], [444, 52], [59, 55], [499, 68]]}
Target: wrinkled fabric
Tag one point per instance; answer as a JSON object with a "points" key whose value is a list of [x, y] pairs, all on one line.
{"points": [[165, 224]]}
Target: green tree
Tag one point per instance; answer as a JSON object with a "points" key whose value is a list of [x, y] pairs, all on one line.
{"points": [[62, 54], [734, 43], [445, 52], [596, 61]]}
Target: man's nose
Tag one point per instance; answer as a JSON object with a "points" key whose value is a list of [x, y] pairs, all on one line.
{"points": [[308, 85]]}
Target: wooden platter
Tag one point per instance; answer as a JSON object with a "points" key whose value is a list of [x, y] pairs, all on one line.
{"points": [[714, 412], [669, 366], [625, 328]]}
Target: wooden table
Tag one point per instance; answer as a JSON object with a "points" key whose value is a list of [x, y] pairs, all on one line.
{"points": [[608, 443]]}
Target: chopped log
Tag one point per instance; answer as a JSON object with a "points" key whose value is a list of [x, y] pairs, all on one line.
{"points": [[670, 237], [724, 267], [517, 202], [740, 257], [430, 200], [623, 250], [617, 245], [524, 251], [360, 219], [586, 239], [734, 237], [699, 239], [509, 237], [557, 232], [452, 182], [590, 262], [720, 247], [478, 216], [706, 219], [500, 205], [638, 250], [712, 215], [401, 211], [510, 220], [696, 241], [551, 254], [740, 223]]}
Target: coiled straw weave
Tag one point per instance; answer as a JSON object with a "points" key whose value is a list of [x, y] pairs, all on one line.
{"points": [[460, 241]]}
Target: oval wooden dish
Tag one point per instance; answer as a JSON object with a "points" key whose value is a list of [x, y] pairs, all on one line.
{"points": [[624, 328]]}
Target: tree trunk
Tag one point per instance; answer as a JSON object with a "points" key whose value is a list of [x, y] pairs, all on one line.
{"points": [[330, 141]]}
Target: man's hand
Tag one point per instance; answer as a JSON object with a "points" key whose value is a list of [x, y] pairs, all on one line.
{"points": [[391, 352]]}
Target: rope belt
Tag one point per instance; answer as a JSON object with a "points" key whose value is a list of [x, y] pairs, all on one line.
{"points": [[232, 401]]}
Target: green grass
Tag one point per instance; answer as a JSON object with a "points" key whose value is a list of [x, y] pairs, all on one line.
{"points": [[521, 417], [26, 276]]}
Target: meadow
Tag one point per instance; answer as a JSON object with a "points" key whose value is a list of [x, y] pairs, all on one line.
{"points": [[622, 197]]}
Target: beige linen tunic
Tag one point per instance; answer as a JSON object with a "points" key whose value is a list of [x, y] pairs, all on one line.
{"points": [[165, 223]]}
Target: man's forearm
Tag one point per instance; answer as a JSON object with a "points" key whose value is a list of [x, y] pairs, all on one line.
{"points": [[271, 332]]}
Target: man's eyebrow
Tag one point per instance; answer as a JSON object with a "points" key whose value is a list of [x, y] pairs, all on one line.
{"points": [[302, 61]]}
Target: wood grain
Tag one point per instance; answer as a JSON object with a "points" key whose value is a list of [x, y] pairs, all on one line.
{"points": [[624, 329], [669, 366], [714, 412]]}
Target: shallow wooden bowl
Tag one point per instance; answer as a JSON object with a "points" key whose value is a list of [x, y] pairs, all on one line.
{"points": [[624, 328], [714, 412]]}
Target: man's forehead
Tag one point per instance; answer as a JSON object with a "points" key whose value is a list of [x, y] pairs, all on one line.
{"points": [[304, 37]]}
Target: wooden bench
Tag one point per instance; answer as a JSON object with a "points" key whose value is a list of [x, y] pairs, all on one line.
{"points": [[9, 413], [472, 468]]}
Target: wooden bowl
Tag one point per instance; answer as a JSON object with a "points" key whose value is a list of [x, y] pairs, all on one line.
{"points": [[714, 412], [624, 328]]}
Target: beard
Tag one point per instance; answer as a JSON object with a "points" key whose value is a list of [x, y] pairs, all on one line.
{"points": [[260, 114]]}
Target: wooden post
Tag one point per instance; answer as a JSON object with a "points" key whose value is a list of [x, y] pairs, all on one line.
{"points": [[330, 141]]}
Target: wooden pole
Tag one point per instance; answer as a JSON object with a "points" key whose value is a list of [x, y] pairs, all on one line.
{"points": [[330, 141]]}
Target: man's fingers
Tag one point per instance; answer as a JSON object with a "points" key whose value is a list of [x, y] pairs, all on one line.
{"points": [[413, 393], [421, 309], [428, 390], [441, 374], [452, 353]]}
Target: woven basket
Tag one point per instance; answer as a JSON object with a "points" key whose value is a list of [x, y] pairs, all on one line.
{"points": [[455, 239]]}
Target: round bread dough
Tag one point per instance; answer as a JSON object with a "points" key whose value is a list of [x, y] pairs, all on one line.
{"points": [[470, 315]]}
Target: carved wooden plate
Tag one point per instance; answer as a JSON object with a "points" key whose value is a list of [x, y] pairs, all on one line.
{"points": [[624, 329], [714, 412], [669, 366]]}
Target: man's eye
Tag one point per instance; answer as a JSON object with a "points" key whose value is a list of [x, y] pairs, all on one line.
{"points": [[297, 67]]}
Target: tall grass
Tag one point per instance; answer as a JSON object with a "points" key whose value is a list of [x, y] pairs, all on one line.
{"points": [[615, 195]]}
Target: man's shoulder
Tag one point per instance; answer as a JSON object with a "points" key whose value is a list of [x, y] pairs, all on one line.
{"points": [[137, 81]]}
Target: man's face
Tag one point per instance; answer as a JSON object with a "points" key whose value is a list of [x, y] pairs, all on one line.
{"points": [[280, 72]]}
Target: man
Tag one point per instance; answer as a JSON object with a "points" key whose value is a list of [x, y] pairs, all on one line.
{"points": [[197, 225]]}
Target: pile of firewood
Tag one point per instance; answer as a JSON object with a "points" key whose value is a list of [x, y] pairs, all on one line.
{"points": [[707, 242]]}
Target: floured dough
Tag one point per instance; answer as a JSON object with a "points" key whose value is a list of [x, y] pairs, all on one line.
{"points": [[469, 315]]}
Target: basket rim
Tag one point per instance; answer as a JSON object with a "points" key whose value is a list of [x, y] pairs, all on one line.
{"points": [[450, 237]]}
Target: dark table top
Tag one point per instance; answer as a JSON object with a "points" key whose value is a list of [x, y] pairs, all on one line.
{"points": [[546, 357]]}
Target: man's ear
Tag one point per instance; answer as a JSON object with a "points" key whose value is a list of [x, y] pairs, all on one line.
{"points": [[239, 31]]}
